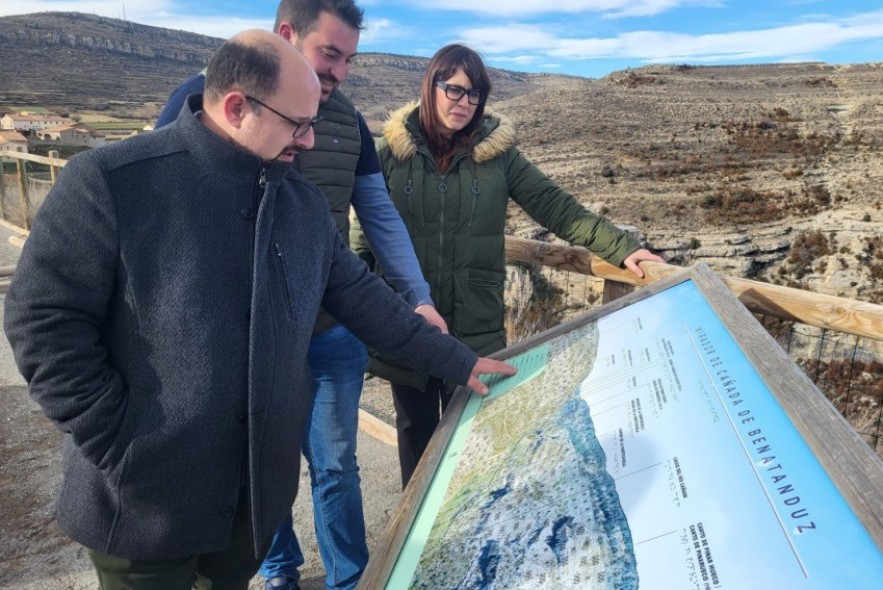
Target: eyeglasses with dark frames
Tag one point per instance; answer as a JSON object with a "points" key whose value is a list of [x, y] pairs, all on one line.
{"points": [[455, 93], [300, 127]]}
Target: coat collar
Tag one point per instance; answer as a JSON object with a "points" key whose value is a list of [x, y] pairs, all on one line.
{"points": [[212, 152], [402, 134]]}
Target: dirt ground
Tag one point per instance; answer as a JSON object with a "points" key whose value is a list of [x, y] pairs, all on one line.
{"points": [[34, 553]]}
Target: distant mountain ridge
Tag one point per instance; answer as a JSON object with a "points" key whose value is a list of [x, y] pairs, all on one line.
{"points": [[74, 29], [76, 60]]}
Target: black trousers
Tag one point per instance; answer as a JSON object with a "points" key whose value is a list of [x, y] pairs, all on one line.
{"points": [[417, 415], [227, 570]]}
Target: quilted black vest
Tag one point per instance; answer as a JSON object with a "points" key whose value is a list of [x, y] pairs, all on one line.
{"points": [[331, 164]]}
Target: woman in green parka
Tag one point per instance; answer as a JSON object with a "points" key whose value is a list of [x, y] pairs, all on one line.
{"points": [[451, 168]]}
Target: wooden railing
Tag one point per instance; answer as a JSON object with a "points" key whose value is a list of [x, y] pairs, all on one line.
{"points": [[52, 160], [815, 309], [54, 164]]}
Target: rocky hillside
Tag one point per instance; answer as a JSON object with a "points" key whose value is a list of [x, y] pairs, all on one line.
{"points": [[80, 60], [762, 171], [769, 171], [76, 60]]}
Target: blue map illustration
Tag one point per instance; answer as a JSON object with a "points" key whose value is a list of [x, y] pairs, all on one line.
{"points": [[531, 503]]}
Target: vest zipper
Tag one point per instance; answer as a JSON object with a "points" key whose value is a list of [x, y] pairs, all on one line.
{"points": [[442, 189]]}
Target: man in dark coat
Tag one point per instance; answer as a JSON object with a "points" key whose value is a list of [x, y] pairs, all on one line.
{"points": [[343, 164], [161, 313]]}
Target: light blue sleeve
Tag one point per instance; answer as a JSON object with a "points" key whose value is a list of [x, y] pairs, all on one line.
{"points": [[389, 239]]}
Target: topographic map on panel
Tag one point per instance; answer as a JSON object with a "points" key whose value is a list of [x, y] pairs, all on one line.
{"points": [[641, 449]]}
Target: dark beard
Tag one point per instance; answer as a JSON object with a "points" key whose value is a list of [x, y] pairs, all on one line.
{"points": [[327, 78]]}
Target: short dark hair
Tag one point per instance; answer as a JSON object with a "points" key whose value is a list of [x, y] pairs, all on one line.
{"points": [[251, 68], [441, 67], [303, 14]]}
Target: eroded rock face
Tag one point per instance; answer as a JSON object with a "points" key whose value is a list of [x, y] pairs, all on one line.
{"points": [[83, 61], [744, 253], [732, 166], [95, 32]]}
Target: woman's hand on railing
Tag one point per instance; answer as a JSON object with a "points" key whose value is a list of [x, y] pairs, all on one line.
{"points": [[640, 255]]}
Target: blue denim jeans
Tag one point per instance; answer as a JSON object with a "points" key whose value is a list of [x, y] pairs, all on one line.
{"points": [[338, 361]]}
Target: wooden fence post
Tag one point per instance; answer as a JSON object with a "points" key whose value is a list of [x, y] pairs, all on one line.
{"points": [[23, 188], [53, 170], [613, 290], [2, 188]]}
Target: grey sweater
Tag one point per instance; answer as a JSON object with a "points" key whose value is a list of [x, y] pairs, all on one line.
{"points": [[161, 313]]}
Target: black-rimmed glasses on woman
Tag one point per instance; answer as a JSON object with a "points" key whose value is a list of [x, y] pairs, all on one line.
{"points": [[455, 92]]}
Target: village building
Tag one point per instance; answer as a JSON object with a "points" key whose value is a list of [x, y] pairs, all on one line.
{"points": [[72, 134], [29, 122], [13, 141]]}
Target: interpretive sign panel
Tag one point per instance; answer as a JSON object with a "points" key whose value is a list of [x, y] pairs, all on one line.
{"points": [[662, 441]]}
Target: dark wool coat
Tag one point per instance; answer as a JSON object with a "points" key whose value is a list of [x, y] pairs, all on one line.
{"points": [[161, 313]]}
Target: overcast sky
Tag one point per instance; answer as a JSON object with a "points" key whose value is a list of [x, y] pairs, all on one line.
{"points": [[581, 37]]}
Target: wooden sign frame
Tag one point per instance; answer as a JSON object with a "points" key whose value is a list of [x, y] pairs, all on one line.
{"points": [[854, 469]]}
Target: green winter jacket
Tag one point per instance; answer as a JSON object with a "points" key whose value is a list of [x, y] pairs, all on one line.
{"points": [[457, 221]]}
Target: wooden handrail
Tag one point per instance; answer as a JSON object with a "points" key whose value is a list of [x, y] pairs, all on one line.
{"points": [[20, 159], [56, 162], [815, 309]]}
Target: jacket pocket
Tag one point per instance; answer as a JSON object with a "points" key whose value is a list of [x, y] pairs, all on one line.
{"points": [[478, 302]]}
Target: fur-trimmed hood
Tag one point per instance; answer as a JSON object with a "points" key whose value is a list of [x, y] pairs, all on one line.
{"points": [[497, 134]]}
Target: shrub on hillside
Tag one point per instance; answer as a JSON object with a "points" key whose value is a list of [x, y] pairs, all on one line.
{"points": [[742, 204], [808, 249]]}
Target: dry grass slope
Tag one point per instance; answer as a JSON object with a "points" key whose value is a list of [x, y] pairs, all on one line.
{"points": [[730, 165]]}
